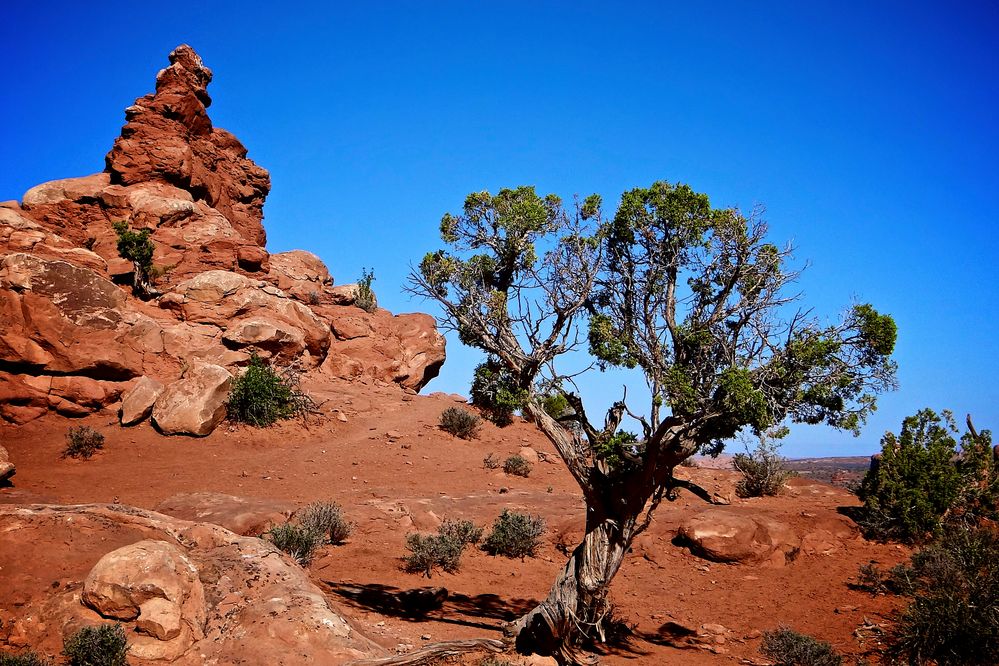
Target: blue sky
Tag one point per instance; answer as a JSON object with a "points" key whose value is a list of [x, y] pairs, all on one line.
{"points": [[866, 129]]}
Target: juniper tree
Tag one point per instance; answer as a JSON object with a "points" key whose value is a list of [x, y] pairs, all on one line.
{"points": [[693, 297]]}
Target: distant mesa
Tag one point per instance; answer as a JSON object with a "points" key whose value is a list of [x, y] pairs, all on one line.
{"points": [[75, 339]]}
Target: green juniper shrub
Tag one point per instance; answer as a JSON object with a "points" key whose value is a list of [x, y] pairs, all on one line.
{"points": [[495, 391], [491, 461], [789, 648], [517, 465], [298, 541], [515, 535], [460, 423], [326, 519], [136, 246], [763, 472], [953, 618], [262, 395], [555, 404], [105, 645], [82, 442], [28, 658], [364, 295], [442, 550], [915, 483]]}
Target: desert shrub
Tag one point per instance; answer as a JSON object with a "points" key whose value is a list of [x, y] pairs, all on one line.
{"points": [[314, 298], [28, 658], [135, 246], [298, 541], [460, 422], [495, 391], [491, 461], [517, 466], [364, 295], [262, 395], [105, 645], [953, 617], [82, 442], [762, 470], [915, 483], [515, 535], [325, 519], [789, 648], [442, 550], [496, 661]]}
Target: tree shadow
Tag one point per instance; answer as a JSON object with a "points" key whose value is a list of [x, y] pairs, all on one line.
{"points": [[437, 604]]}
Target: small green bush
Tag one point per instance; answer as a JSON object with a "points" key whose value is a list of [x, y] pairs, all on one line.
{"points": [[517, 466], [555, 405], [105, 645], [364, 296], [262, 395], [298, 541], [82, 442], [515, 535], [326, 519], [789, 648], [915, 483], [953, 618], [28, 658], [495, 392], [442, 550], [135, 246], [762, 470], [491, 461], [460, 423]]}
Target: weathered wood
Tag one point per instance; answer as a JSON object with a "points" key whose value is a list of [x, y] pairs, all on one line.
{"points": [[428, 654]]}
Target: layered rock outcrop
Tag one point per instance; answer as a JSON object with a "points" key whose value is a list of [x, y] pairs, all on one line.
{"points": [[75, 339]]}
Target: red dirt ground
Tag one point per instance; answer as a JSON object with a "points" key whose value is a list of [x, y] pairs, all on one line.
{"points": [[393, 484]]}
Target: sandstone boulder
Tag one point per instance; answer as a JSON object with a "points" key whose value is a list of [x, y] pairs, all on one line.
{"points": [[721, 535], [137, 403], [6, 466], [154, 583], [405, 349], [195, 404], [301, 274], [63, 319]]}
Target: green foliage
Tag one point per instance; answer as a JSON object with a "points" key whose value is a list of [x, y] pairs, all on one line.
{"points": [[515, 535], [555, 404], [82, 442], [262, 395], [105, 645], [364, 296], [28, 658], [442, 550], [327, 520], [135, 246], [517, 465], [297, 540], [953, 618], [789, 648], [495, 392], [611, 449], [916, 482], [460, 423], [763, 472]]}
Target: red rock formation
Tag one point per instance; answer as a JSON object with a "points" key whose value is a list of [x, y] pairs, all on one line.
{"points": [[170, 137], [74, 339]]}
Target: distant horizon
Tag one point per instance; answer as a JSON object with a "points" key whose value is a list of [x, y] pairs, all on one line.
{"points": [[868, 135]]}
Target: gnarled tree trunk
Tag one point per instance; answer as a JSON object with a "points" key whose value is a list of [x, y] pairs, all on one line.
{"points": [[577, 602]]}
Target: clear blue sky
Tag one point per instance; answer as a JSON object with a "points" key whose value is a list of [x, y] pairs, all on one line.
{"points": [[868, 130]]}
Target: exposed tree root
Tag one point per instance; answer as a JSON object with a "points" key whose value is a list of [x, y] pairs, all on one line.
{"points": [[431, 653]]}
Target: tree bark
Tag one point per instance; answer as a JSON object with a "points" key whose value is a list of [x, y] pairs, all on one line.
{"points": [[577, 603]]}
